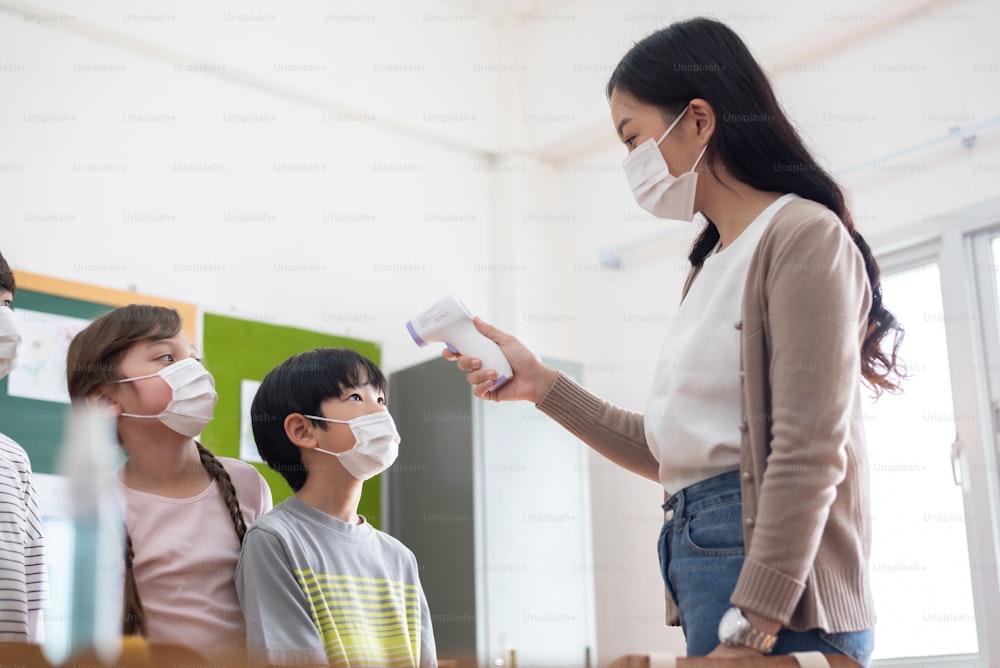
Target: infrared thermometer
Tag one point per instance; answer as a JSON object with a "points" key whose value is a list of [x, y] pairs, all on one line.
{"points": [[450, 323]]}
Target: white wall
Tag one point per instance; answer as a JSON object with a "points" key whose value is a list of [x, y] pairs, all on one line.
{"points": [[440, 148], [183, 164]]}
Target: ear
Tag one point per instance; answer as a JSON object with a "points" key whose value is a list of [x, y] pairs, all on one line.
{"points": [[299, 430], [99, 401], [703, 115]]}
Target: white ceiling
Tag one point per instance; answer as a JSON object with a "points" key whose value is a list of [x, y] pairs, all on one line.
{"points": [[509, 8]]}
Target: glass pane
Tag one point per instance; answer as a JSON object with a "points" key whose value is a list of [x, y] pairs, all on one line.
{"points": [[920, 556]]}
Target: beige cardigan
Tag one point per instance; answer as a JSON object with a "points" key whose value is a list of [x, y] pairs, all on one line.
{"points": [[804, 467]]}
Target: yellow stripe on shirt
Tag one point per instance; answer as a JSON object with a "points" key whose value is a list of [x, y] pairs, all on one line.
{"points": [[364, 621]]}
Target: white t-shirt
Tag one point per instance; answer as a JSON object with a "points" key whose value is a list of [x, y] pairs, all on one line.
{"points": [[694, 410], [186, 552]]}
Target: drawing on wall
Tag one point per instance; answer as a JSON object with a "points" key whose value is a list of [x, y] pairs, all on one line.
{"points": [[248, 447], [40, 372]]}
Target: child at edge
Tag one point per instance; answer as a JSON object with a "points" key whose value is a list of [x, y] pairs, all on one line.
{"points": [[318, 584], [186, 511], [22, 567]]}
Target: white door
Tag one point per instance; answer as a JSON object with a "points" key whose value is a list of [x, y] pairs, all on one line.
{"points": [[533, 545]]}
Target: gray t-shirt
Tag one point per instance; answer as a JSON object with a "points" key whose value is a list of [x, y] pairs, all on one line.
{"points": [[315, 590]]}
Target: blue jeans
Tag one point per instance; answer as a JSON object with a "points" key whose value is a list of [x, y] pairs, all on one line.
{"points": [[701, 554]]}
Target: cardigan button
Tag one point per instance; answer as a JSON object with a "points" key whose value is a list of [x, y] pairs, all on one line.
{"points": [[749, 521], [668, 514], [746, 475], [738, 324], [744, 427]]}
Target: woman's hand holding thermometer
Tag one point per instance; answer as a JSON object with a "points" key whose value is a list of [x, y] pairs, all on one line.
{"points": [[499, 366]]}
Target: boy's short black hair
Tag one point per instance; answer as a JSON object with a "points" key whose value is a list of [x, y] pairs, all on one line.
{"points": [[299, 385], [6, 277]]}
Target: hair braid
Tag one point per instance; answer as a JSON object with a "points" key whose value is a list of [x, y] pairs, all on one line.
{"points": [[221, 476], [134, 622]]}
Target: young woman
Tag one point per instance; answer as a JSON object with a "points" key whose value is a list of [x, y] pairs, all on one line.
{"points": [[753, 423], [186, 510]]}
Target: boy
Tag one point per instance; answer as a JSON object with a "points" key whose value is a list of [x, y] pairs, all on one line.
{"points": [[317, 583], [22, 568]]}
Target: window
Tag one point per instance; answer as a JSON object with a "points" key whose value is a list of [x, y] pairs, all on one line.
{"points": [[920, 555], [933, 451]]}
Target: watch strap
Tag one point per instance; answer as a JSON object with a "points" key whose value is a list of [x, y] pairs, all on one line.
{"points": [[754, 638]]}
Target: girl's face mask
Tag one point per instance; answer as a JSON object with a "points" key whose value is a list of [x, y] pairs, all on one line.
{"points": [[193, 402]]}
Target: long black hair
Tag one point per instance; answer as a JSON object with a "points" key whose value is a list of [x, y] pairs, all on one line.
{"points": [[754, 140]]}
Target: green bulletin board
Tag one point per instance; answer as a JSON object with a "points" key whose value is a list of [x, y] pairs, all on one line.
{"points": [[237, 350]]}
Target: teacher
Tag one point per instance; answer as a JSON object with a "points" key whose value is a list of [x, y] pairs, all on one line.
{"points": [[753, 424]]}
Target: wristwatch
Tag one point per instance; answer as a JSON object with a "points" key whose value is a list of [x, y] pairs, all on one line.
{"points": [[736, 630]]}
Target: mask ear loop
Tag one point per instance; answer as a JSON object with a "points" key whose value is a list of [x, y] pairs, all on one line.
{"points": [[326, 419], [129, 380], [695, 166], [671, 126], [135, 415], [338, 455]]}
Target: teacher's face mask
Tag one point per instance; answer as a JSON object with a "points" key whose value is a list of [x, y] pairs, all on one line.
{"points": [[654, 187]]}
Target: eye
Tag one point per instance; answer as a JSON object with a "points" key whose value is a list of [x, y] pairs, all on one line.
{"points": [[6, 302], [354, 397], [165, 357], [630, 142], [381, 400]]}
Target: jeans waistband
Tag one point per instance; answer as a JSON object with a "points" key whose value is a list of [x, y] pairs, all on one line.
{"points": [[722, 488]]}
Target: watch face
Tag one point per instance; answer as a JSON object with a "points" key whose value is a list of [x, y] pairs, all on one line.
{"points": [[730, 625]]}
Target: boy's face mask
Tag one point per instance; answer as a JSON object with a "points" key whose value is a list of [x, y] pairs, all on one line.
{"points": [[376, 444], [10, 340]]}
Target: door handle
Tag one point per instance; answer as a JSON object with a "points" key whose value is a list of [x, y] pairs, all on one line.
{"points": [[956, 466]]}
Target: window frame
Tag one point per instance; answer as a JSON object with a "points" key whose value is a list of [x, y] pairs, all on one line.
{"points": [[960, 243]]}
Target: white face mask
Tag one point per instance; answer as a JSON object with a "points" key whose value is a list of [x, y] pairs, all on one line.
{"points": [[10, 340], [654, 187], [193, 401], [376, 444]]}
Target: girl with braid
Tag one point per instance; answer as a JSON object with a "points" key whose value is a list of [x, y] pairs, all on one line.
{"points": [[186, 511]]}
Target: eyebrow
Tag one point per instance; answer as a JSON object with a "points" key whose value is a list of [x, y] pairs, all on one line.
{"points": [[621, 124]]}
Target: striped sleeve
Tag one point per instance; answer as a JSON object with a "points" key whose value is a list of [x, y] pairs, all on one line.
{"points": [[36, 579], [17, 523], [32, 537]]}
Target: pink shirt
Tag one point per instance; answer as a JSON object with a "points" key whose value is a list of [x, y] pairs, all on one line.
{"points": [[185, 561]]}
